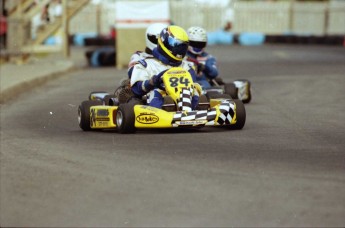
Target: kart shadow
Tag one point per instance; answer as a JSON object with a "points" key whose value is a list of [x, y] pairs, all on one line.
{"points": [[171, 131], [184, 130]]}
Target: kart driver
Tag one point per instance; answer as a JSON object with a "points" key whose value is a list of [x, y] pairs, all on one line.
{"points": [[204, 63], [170, 52], [151, 39]]}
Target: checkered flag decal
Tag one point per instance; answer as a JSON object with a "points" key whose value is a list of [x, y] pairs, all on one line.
{"points": [[226, 114], [226, 109], [211, 116], [207, 116], [185, 101]]}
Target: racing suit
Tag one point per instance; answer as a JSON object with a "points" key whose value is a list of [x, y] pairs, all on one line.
{"points": [[205, 66], [145, 69], [138, 55]]}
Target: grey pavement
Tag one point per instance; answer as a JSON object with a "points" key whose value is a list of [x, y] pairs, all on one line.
{"points": [[16, 77]]}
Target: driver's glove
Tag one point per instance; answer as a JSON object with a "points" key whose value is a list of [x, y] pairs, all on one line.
{"points": [[156, 80]]}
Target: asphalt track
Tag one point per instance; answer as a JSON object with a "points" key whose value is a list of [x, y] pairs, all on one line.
{"points": [[285, 168]]}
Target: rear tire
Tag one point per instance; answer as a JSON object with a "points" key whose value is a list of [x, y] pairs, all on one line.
{"points": [[230, 88], [84, 115]]}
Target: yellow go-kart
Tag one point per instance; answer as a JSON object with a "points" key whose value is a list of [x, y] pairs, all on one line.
{"points": [[221, 110]]}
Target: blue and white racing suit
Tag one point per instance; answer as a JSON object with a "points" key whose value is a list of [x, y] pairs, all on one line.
{"points": [[138, 55], [205, 66], [141, 73]]}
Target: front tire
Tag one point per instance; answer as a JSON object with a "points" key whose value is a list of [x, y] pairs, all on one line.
{"points": [[125, 117], [240, 115], [84, 114]]}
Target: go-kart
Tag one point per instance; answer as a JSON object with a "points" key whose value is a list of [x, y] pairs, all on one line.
{"points": [[103, 111], [238, 89]]}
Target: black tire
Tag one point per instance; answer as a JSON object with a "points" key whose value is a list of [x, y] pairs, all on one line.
{"points": [[230, 88], [84, 115], [240, 115], [125, 117]]}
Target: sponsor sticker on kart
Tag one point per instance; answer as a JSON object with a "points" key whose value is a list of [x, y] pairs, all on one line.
{"points": [[145, 118], [191, 122], [102, 123]]}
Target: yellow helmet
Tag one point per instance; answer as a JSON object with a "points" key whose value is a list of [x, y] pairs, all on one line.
{"points": [[173, 43]]}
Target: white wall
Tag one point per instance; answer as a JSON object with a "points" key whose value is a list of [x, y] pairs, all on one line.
{"points": [[278, 17]]}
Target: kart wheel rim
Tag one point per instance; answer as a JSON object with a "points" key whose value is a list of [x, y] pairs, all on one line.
{"points": [[119, 118]]}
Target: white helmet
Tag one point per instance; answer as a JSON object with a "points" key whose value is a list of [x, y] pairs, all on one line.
{"points": [[152, 34], [197, 39]]}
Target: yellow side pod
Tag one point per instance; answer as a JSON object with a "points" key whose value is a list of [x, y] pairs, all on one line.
{"points": [[102, 117], [151, 117]]}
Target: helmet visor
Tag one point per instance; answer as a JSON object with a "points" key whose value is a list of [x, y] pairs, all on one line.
{"points": [[152, 38], [177, 47], [196, 50], [197, 44]]}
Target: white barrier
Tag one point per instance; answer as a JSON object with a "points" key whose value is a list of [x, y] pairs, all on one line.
{"points": [[309, 18], [191, 13], [268, 17], [336, 18], [265, 17]]}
